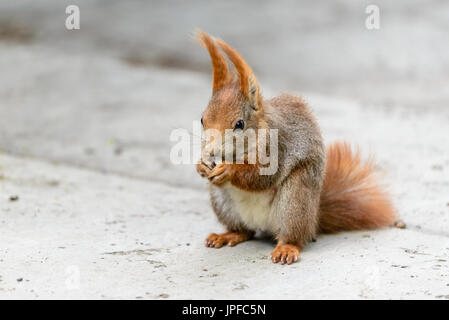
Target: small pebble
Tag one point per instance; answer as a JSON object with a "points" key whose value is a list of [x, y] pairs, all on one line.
{"points": [[118, 151], [14, 198], [400, 224]]}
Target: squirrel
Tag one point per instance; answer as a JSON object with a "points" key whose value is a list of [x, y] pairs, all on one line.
{"points": [[314, 190]]}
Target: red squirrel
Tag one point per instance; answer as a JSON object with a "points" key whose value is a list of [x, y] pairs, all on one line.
{"points": [[313, 190]]}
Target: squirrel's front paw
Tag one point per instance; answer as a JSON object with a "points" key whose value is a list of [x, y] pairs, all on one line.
{"points": [[203, 170], [220, 174], [285, 253]]}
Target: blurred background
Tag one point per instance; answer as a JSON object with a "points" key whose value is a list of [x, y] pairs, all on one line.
{"points": [[107, 96], [317, 46]]}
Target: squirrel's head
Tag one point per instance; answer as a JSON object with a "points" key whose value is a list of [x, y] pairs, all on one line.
{"points": [[236, 102]]}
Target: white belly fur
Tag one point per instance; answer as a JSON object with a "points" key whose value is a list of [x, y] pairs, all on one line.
{"points": [[254, 208]]}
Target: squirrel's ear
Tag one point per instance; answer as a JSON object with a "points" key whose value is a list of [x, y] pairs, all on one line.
{"points": [[248, 82], [219, 66]]}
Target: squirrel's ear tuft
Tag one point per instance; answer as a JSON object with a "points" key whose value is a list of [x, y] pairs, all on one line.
{"points": [[219, 65], [248, 82]]}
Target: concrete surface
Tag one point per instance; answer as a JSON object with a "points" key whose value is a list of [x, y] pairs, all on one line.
{"points": [[76, 233], [101, 212]]}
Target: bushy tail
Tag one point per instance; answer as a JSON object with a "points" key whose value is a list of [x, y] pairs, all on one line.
{"points": [[352, 199]]}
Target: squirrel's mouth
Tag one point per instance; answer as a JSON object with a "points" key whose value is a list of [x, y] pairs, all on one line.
{"points": [[210, 163]]}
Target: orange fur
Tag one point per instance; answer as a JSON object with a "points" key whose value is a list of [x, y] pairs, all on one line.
{"points": [[219, 66], [351, 198], [248, 82]]}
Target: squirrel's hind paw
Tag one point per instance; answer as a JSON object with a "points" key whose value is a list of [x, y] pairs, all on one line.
{"points": [[230, 238], [285, 253]]}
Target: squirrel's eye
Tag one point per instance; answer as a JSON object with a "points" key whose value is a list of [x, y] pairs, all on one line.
{"points": [[202, 121], [239, 125]]}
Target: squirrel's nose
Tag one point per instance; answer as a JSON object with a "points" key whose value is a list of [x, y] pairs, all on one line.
{"points": [[208, 157], [210, 152], [210, 149]]}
